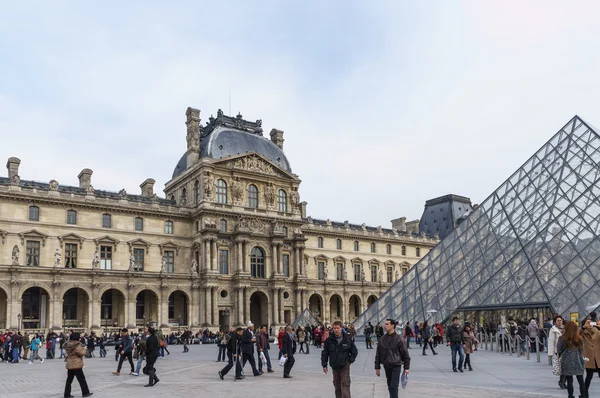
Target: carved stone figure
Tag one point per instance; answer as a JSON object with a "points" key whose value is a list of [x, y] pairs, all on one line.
{"points": [[294, 197], [275, 227], [236, 190], [131, 263], [53, 185], [325, 271], [57, 258], [270, 195], [122, 193], [96, 260], [329, 222], [395, 231], [163, 265], [345, 273], [16, 180], [208, 182], [346, 224], [363, 277], [380, 275], [310, 220], [298, 231], [183, 200], [15, 255], [436, 236], [397, 275], [243, 223], [253, 163], [194, 267], [380, 229], [90, 189], [363, 226]]}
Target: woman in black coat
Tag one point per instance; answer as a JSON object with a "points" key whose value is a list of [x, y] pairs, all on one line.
{"points": [[152, 351]]}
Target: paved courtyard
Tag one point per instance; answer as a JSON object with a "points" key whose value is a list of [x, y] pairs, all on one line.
{"points": [[195, 374]]}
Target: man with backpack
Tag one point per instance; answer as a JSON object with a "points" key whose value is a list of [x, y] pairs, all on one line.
{"points": [[341, 352]]}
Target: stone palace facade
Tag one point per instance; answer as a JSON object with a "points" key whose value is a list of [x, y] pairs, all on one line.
{"points": [[230, 243]]}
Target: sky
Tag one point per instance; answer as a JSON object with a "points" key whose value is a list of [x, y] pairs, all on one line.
{"points": [[384, 104]]}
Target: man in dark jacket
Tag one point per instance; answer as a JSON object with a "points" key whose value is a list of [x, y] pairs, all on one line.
{"points": [[248, 341], [17, 343], [233, 353], [341, 351], [262, 345], [288, 352], [454, 335], [392, 353], [126, 352], [152, 351]]}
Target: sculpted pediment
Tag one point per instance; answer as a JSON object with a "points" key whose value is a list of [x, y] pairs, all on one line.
{"points": [[139, 242], [254, 163], [106, 239], [34, 234], [71, 237]]}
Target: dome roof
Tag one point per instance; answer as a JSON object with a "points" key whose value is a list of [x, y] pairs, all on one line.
{"points": [[221, 138]]}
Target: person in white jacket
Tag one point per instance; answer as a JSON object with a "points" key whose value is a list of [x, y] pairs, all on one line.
{"points": [[555, 332]]}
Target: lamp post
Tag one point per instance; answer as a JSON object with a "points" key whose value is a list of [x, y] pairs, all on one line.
{"points": [[19, 319], [63, 325], [179, 323]]}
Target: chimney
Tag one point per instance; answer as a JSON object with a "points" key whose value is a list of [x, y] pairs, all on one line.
{"points": [[193, 135], [85, 178], [277, 138], [399, 224], [148, 188], [413, 226], [13, 168]]}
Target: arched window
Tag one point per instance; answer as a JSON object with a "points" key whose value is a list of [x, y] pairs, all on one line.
{"points": [[282, 201], [338, 244], [373, 247], [388, 249], [257, 263], [34, 213], [252, 197], [221, 191], [356, 246], [139, 224], [173, 198], [169, 227], [197, 192], [404, 250], [418, 250], [285, 231], [320, 242], [223, 226]]}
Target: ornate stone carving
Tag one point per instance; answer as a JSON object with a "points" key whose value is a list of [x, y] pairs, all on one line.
{"points": [[329, 223], [364, 227], [276, 227], [363, 277], [95, 285], [270, 195], [237, 191], [123, 194], [345, 272], [95, 260], [209, 223], [90, 189], [237, 123], [57, 258], [346, 224], [183, 200], [310, 220], [395, 231], [379, 229], [380, 275], [131, 263], [56, 284], [53, 185], [131, 285], [163, 265], [397, 275], [254, 164], [208, 181], [252, 224], [15, 255], [325, 271], [294, 198], [16, 180], [15, 282], [194, 267], [436, 236]]}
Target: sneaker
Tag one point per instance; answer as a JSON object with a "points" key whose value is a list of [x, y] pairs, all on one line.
{"points": [[42, 361], [460, 370], [30, 363], [131, 373], [116, 373], [135, 374], [220, 375]]}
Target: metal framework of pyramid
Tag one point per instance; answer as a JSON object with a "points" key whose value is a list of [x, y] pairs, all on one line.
{"points": [[305, 319], [534, 241]]}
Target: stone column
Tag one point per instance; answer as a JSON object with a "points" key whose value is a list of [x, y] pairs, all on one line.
{"points": [[281, 306], [240, 305], [275, 306], [54, 321], [244, 255], [213, 254], [326, 310], [346, 310], [298, 302], [302, 267], [279, 259], [215, 306], [206, 254], [246, 305], [295, 261], [273, 258], [164, 308], [195, 321], [240, 256], [208, 300]]}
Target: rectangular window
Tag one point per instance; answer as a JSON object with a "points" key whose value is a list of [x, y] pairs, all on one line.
{"points": [[357, 272], [223, 227], [172, 307], [286, 265], [340, 271], [169, 227], [105, 257], [224, 262], [339, 244], [70, 255], [138, 256], [404, 250], [373, 273], [390, 274], [71, 217], [34, 213], [404, 270], [33, 253], [418, 251], [356, 246], [106, 221], [139, 224], [170, 259], [321, 270], [106, 306]]}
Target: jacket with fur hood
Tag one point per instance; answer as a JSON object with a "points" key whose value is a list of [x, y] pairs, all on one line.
{"points": [[75, 353]]}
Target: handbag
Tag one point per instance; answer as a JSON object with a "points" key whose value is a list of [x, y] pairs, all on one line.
{"points": [[556, 366], [162, 344], [263, 359]]}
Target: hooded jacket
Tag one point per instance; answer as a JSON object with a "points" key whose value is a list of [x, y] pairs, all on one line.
{"points": [[75, 353]]}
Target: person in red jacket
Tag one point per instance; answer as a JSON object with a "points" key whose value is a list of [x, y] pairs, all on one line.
{"points": [[280, 341]]}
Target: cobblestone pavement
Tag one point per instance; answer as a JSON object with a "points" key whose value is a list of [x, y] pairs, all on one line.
{"points": [[196, 373]]}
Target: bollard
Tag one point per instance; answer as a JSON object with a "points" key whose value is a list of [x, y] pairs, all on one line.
{"points": [[497, 346], [510, 346], [527, 341], [537, 349], [485, 341]]}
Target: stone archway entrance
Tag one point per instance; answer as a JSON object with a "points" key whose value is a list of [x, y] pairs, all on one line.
{"points": [[336, 308], [178, 308], [315, 305], [75, 309], [112, 309], [354, 307], [3, 310], [259, 309], [371, 300], [35, 309], [146, 308]]}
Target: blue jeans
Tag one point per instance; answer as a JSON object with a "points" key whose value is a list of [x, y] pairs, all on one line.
{"points": [[15, 354], [260, 364], [457, 348], [138, 367], [392, 374], [408, 341]]}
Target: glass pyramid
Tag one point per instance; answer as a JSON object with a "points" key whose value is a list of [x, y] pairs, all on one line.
{"points": [[534, 241], [305, 319]]}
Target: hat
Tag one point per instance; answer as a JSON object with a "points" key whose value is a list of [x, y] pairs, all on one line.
{"points": [[250, 324], [74, 336]]}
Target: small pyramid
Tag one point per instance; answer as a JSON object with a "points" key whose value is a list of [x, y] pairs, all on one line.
{"points": [[534, 242]]}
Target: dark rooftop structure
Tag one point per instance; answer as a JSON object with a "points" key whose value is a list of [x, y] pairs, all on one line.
{"points": [[443, 214]]}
